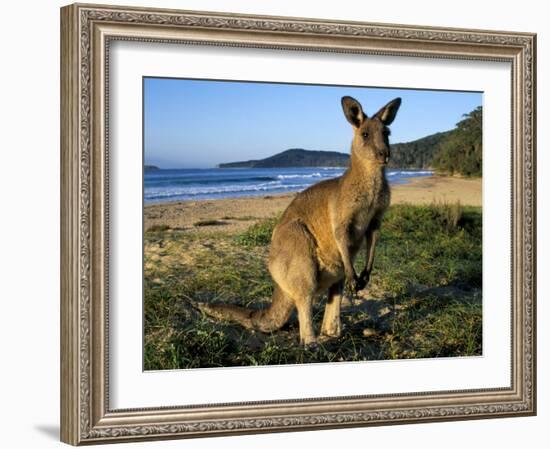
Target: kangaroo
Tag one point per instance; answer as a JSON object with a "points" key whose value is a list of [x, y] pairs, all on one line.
{"points": [[314, 244]]}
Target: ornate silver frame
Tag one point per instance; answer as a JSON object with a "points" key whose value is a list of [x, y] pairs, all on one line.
{"points": [[86, 32]]}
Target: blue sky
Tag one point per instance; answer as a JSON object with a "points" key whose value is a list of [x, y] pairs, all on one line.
{"points": [[199, 123]]}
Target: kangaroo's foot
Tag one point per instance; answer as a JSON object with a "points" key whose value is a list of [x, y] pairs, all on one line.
{"points": [[331, 326], [308, 341], [323, 339], [313, 346], [331, 333]]}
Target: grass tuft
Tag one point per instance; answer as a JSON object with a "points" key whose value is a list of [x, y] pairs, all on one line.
{"points": [[259, 234], [158, 228]]}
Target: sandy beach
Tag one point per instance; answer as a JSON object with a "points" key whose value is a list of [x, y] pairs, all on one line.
{"points": [[236, 214]]}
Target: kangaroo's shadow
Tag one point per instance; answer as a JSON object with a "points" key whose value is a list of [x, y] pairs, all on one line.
{"points": [[369, 324], [368, 312]]}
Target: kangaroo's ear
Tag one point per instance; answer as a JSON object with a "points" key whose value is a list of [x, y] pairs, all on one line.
{"points": [[387, 113], [353, 111]]}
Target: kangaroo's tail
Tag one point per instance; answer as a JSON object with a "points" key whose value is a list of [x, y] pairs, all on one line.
{"points": [[265, 320]]}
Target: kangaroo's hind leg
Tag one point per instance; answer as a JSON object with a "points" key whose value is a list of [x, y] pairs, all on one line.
{"points": [[293, 266], [307, 334], [331, 326]]}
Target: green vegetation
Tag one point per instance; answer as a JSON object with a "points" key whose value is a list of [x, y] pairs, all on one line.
{"points": [[424, 299], [259, 234], [416, 154], [458, 151], [461, 149]]}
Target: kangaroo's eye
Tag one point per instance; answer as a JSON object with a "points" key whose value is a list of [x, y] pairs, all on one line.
{"points": [[365, 135]]}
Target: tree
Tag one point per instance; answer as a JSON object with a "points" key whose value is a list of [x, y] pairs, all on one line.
{"points": [[460, 151]]}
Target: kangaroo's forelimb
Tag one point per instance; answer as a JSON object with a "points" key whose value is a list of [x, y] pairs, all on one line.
{"points": [[371, 237], [343, 242]]}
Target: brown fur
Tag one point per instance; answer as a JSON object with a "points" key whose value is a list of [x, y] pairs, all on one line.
{"points": [[315, 242]]}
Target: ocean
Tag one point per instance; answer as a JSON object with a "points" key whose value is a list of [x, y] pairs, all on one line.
{"points": [[212, 183]]}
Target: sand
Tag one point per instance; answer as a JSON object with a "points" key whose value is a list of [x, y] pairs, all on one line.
{"points": [[449, 189], [236, 214]]}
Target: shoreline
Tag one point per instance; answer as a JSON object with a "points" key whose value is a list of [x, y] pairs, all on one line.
{"points": [[232, 215]]}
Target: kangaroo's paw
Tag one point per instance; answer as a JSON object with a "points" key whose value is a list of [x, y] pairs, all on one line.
{"points": [[350, 287], [362, 283]]}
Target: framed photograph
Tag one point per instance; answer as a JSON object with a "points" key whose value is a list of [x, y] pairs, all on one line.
{"points": [[277, 224]]}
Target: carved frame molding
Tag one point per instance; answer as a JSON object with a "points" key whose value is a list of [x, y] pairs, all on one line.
{"points": [[87, 31]]}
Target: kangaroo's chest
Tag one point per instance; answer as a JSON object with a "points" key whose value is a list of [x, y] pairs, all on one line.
{"points": [[361, 220], [369, 202], [372, 203]]}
